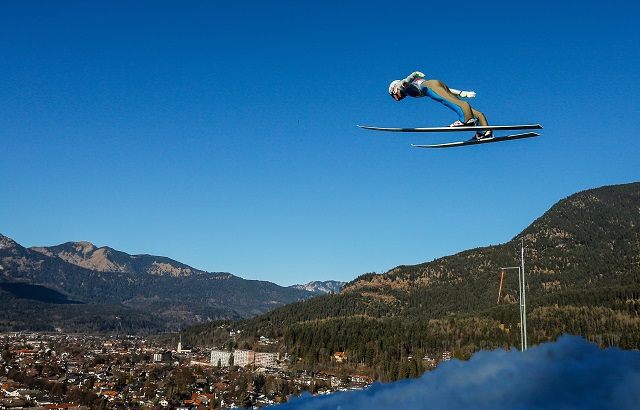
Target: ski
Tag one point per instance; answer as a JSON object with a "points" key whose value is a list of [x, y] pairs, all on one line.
{"points": [[476, 142], [457, 129]]}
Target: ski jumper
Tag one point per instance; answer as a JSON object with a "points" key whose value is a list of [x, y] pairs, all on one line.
{"points": [[438, 91]]}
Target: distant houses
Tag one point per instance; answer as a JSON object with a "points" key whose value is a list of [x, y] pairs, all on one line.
{"points": [[85, 372]]}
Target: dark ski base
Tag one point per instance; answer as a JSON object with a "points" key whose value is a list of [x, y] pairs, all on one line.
{"points": [[476, 142]]}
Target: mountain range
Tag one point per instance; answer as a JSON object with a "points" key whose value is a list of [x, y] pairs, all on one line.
{"points": [[77, 286], [582, 265]]}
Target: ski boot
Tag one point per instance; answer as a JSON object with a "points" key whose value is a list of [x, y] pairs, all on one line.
{"points": [[483, 135], [469, 123]]}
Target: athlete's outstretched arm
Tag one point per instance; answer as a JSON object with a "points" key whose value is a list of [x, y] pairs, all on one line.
{"points": [[410, 78]]}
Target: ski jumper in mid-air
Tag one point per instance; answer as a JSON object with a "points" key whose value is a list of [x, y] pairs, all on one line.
{"points": [[415, 85]]}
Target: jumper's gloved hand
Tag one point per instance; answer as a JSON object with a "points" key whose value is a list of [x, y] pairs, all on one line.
{"points": [[412, 76], [467, 94]]}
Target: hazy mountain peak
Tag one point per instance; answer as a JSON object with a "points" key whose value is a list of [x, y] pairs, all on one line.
{"points": [[321, 287]]}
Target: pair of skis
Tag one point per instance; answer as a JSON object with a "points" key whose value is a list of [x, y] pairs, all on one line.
{"points": [[467, 128]]}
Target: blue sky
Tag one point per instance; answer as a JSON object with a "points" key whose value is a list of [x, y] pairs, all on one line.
{"points": [[223, 134]]}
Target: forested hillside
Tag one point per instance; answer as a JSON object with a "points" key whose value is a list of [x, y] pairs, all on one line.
{"points": [[582, 266]]}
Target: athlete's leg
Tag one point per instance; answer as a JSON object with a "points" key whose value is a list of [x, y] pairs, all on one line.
{"points": [[482, 120], [439, 91]]}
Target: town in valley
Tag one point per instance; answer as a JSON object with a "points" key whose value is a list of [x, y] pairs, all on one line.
{"points": [[70, 371]]}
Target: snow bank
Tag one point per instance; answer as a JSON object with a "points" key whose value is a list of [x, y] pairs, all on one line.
{"points": [[568, 374]]}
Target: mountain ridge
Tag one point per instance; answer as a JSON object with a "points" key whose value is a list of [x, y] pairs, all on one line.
{"points": [[106, 259], [586, 247], [173, 294]]}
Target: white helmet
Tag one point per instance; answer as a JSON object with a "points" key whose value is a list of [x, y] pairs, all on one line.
{"points": [[393, 87]]}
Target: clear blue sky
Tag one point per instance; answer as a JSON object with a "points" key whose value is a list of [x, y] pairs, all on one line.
{"points": [[223, 134]]}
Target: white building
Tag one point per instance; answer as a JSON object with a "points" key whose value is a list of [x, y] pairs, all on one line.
{"points": [[265, 359], [243, 357], [220, 356]]}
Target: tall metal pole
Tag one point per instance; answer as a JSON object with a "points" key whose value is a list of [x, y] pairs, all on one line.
{"points": [[520, 288], [523, 298]]}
